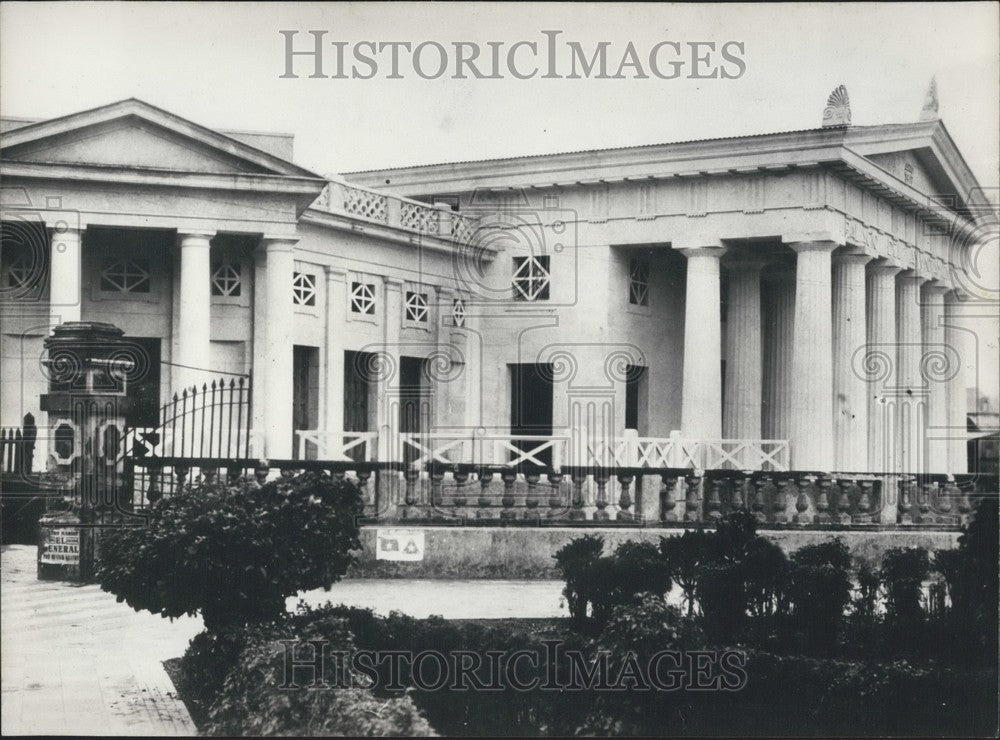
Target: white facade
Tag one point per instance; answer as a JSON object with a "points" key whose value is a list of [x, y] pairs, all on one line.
{"points": [[798, 287]]}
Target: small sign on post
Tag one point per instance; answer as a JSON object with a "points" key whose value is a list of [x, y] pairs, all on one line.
{"points": [[399, 544]]}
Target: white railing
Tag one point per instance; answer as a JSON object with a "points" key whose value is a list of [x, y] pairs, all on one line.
{"points": [[486, 449], [558, 450], [338, 445], [633, 451], [392, 210]]}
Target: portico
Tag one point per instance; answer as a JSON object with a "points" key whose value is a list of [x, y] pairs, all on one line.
{"points": [[784, 302]]}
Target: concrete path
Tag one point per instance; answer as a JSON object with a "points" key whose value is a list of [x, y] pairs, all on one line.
{"points": [[76, 662], [472, 599]]}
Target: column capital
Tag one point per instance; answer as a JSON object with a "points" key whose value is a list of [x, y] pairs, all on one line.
{"points": [[821, 245], [936, 287], [193, 237], [852, 258], [392, 282], [334, 274], [912, 276], [280, 243], [882, 267], [709, 250]]}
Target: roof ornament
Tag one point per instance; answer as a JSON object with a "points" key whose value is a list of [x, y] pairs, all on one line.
{"points": [[838, 108], [930, 110]]}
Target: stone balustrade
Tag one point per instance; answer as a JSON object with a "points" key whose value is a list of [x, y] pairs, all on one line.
{"points": [[392, 210], [469, 494]]}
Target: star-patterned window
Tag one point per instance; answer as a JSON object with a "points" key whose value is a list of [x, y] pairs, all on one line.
{"points": [[226, 279], [363, 298], [638, 282], [416, 306], [303, 289], [531, 278], [19, 273], [126, 276], [458, 312]]}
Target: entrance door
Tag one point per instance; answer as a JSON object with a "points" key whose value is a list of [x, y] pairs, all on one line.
{"points": [[414, 405], [635, 398], [357, 392], [531, 405], [305, 391]]}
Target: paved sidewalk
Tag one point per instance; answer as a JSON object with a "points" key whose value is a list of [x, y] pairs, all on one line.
{"points": [[76, 662]]}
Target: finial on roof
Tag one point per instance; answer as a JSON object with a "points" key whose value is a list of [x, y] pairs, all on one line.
{"points": [[930, 110], [838, 108]]}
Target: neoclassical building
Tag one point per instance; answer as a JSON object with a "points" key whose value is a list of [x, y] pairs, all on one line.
{"points": [[786, 301]]}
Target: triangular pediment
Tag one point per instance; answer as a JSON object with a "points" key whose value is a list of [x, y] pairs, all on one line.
{"points": [[921, 155], [135, 135], [908, 166]]}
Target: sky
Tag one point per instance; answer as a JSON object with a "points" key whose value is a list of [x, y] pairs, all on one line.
{"points": [[221, 65]]}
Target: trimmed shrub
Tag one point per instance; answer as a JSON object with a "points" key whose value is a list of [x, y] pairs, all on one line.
{"points": [[685, 556], [904, 571], [234, 552], [573, 561], [820, 590], [604, 582], [253, 701]]}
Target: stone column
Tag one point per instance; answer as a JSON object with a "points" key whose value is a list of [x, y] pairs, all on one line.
{"points": [[279, 318], [387, 375], [779, 323], [850, 399], [194, 306], [336, 316], [812, 435], [958, 456], [741, 417], [879, 366], [911, 405], [701, 403], [936, 365], [65, 291]]}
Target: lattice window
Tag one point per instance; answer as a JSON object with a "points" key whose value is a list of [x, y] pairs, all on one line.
{"points": [[126, 276], [458, 311], [227, 279], [304, 289], [363, 298], [416, 306], [638, 282], [531, 278], [20, 274]]}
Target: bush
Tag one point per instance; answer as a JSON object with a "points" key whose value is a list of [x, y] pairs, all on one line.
{"points": [[209, 658], [684, 557], [236, 551], [904, 571], [573, 561], [490, 712], [252, 701], [820, 590], [971, 574], [606, 582]]}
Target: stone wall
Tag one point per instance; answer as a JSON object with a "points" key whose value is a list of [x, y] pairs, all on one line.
{"points": [[501, 552]]}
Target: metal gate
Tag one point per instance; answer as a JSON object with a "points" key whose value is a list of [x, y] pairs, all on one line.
{"points": [[213, 420]]}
